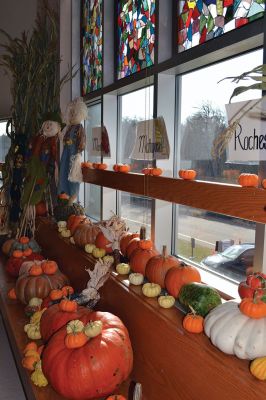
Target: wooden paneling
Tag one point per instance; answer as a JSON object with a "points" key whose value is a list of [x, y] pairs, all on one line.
{"points": [[170, 363], [233, 200]]}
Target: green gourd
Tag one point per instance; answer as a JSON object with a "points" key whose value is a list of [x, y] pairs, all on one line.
{"points": [[202, 298]]}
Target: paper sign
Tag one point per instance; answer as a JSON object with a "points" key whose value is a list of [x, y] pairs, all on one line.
{"points": [[151, 141], [99, 144], [248, 141]]}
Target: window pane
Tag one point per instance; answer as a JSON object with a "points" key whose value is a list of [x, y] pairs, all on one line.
{"points": [[134, 107], [92, 192], [135, 35], [203, 118], [5, 142], [92, 45], [218, 243], [201, 20]]}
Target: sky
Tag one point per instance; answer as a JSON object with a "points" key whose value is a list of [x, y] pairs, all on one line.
{"points": [[200, 86]]}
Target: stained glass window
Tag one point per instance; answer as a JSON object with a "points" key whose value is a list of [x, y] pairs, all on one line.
{"points": [[201, 20], [92, 46], [136, 35]]}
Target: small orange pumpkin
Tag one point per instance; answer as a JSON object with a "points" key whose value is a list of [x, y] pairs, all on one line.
{"points": [[35, 270], [63, 196], [24, 239], [75, 340], [86, 164], [253, 308], [188, 174], [263, 183], [56, 294], [116, 397], [67, 291], [193, 323], [29, 362], [30, 346], [49, 267], [17, 253], [248, 180], [27, 252], [12, 294], [156, 171], [147, 171], [68, 305]]}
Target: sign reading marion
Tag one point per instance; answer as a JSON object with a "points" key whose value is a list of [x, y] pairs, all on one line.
{"points": [[151, 141], [248, 141]]}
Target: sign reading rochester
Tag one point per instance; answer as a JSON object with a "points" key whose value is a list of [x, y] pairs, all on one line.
{"points": [[151, 141], [248, 141]]}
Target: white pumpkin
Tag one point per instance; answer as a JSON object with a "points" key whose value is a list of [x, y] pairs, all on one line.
{"points": [[66, 233], [93, 328], [135, 278], [235, 333]]}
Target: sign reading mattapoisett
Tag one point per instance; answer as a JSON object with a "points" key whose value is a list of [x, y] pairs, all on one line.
{"points": [[248, 141], [151, 141], [99, 144]]}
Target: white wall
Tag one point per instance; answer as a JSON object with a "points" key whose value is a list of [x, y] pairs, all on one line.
{"points": [[15, 17]]}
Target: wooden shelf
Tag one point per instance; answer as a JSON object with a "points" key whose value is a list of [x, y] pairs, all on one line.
{"points": [[232, 200], [169, 362]]}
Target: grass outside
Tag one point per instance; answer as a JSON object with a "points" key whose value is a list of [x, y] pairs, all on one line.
{"points": [[199, 252]]}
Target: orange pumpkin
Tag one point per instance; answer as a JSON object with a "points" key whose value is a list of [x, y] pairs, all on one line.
{"points": [[86, 233], [75, 340], [176, 277], [17, 253], [86, 164], [156, 171], [12, 294], [30, 362], [30, 346], [49, 267], [27, 252], [116, 397], [253, 308], [188, 174], [193, 323], [121, 168], [36, 270], [145, 244], [263, 183], [56, 294], [67, 290], [68, 305], [102, 243], [134, 243], [24, 239], [158, 267], [248, 180], [74, 221], [147, 171], [139, 259], [125, 241]]}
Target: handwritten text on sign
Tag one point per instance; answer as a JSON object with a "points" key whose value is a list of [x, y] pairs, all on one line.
{"points": [[151, 140], [248, 142], [99, 144]]}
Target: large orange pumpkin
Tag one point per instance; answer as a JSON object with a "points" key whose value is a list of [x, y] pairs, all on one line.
{"points": [[53, 319], [125, 241], [134, 243], [40, 286], [86, 233], [176, 277], [158, 267], [102, 243], [94, 370], [139, 259], [74, 221]]}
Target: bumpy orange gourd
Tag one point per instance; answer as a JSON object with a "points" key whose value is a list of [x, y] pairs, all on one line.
{"points": [[258, 368], [68, 305], [248, 180], [158, 266], [56, 294], [193, 323], [30, 346], [176, 277], [253, 308], [188, 174]]}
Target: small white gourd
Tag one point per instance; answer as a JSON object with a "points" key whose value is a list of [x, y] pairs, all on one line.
{"points": [[135, 278]]}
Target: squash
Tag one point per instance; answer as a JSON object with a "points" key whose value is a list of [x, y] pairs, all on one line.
{"points": [[193, 323], [98, 253], [97, 368], [86, 233], [126, 238], [202, 298], [136, 278], [178, 276], [66, 233], [122, 269], [74, 221], [151, 289], [158, 266], [235, 333], [93, 328], [140, 257], [38, 377], [248, 180], [187, 174], [108, 259], [258, 368], [166, 301], [253, 308], [89, 248]]}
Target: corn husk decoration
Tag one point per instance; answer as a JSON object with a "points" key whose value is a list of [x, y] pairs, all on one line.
{"points": [[113, 230], [98, 276]]}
